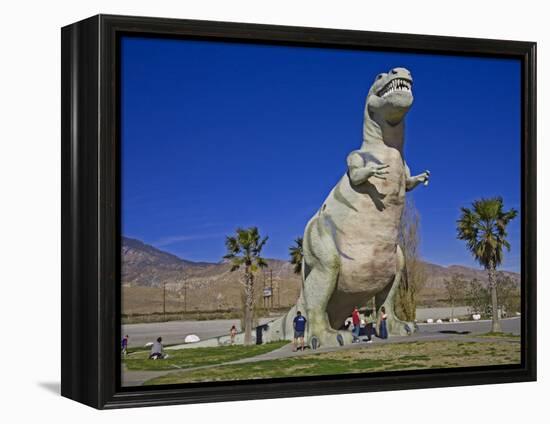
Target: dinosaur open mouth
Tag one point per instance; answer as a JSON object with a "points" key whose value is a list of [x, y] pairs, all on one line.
{"points": [[396, 84]]}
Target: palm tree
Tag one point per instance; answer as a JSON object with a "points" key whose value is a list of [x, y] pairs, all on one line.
{"points": [[297, 254], [243, 250], [484, 229]]}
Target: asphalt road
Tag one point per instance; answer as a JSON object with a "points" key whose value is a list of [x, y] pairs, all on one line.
{"points": [[174, 332], [509, 325]]}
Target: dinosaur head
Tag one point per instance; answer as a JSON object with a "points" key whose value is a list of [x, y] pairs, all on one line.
{"points": [[390, 97]]}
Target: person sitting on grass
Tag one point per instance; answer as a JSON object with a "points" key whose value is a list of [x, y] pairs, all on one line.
{"points": [[299, 330], [157, 350]]}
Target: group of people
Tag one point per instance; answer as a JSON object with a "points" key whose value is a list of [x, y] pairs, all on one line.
{"points": [[157, 349], [300, 328], [299, 323], [381, 326]]}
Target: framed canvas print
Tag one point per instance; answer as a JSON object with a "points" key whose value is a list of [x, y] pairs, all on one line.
{"points": [[253, 211]]}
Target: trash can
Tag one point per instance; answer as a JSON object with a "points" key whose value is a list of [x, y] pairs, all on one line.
{"points": [[260, 333]]}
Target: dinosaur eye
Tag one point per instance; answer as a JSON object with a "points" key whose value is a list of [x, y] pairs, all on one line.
{"points": [[379, 76]]}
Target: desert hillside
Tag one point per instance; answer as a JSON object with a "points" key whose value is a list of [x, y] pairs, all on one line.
{"points": [[202, 286]]}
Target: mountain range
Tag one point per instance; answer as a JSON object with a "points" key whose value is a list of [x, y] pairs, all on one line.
{"points": [[152, 277]]}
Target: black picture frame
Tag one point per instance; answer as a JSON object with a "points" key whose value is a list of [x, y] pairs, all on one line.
{"points": [[91, 211]]}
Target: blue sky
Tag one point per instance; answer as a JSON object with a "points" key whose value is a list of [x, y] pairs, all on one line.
{"points": [[220, 135]]}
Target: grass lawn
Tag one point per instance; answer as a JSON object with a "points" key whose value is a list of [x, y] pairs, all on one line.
{"points": [[500, 336], [371, 358], [191, 358]]}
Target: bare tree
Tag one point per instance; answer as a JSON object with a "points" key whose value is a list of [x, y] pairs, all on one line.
{"points": [[477, 297], [508, 294], [456, 290], [415, 275]]}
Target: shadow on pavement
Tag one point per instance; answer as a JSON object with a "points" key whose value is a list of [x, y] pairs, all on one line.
{"points": [[454, 332]]}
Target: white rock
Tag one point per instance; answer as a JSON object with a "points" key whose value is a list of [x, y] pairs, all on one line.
{"points": [[439, 321], [192, 338], [476, 317], [430, 321]]}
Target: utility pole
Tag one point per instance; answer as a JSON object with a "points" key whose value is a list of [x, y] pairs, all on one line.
{"points": [[185, 295], [164, 300], [266, 300], [279, 293], [271, 285]]}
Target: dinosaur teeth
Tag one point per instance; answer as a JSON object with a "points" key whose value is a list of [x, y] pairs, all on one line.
{"points": [[397, 84]]}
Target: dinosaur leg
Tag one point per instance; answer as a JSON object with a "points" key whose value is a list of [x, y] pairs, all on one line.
{"points": [[322, 262], [318, 288], [386, 299]]}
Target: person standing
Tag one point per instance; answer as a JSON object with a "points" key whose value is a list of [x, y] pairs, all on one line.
{"points": [[369, 326], [125, 345], [233, 333], [356, 321], [382, 325], [299, 330]]}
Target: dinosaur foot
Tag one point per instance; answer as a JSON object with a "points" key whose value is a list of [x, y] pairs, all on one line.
{"points": [[329, 338], [396, 327]]}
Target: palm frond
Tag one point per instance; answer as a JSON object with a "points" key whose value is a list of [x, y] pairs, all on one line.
{"points": [[236, 263], [297, 254], [232, 244], [483, 228], [244, 248], [262, 263]]}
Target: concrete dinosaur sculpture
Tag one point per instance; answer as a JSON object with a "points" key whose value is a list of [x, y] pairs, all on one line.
{"points": [[350, 245]]}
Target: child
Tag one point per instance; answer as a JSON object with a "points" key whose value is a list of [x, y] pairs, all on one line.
{"points": [[125, 345], [233, 333]]}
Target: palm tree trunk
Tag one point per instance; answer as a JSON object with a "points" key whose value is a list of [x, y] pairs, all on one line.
{"points": [[495, 327], [249, 307]]}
